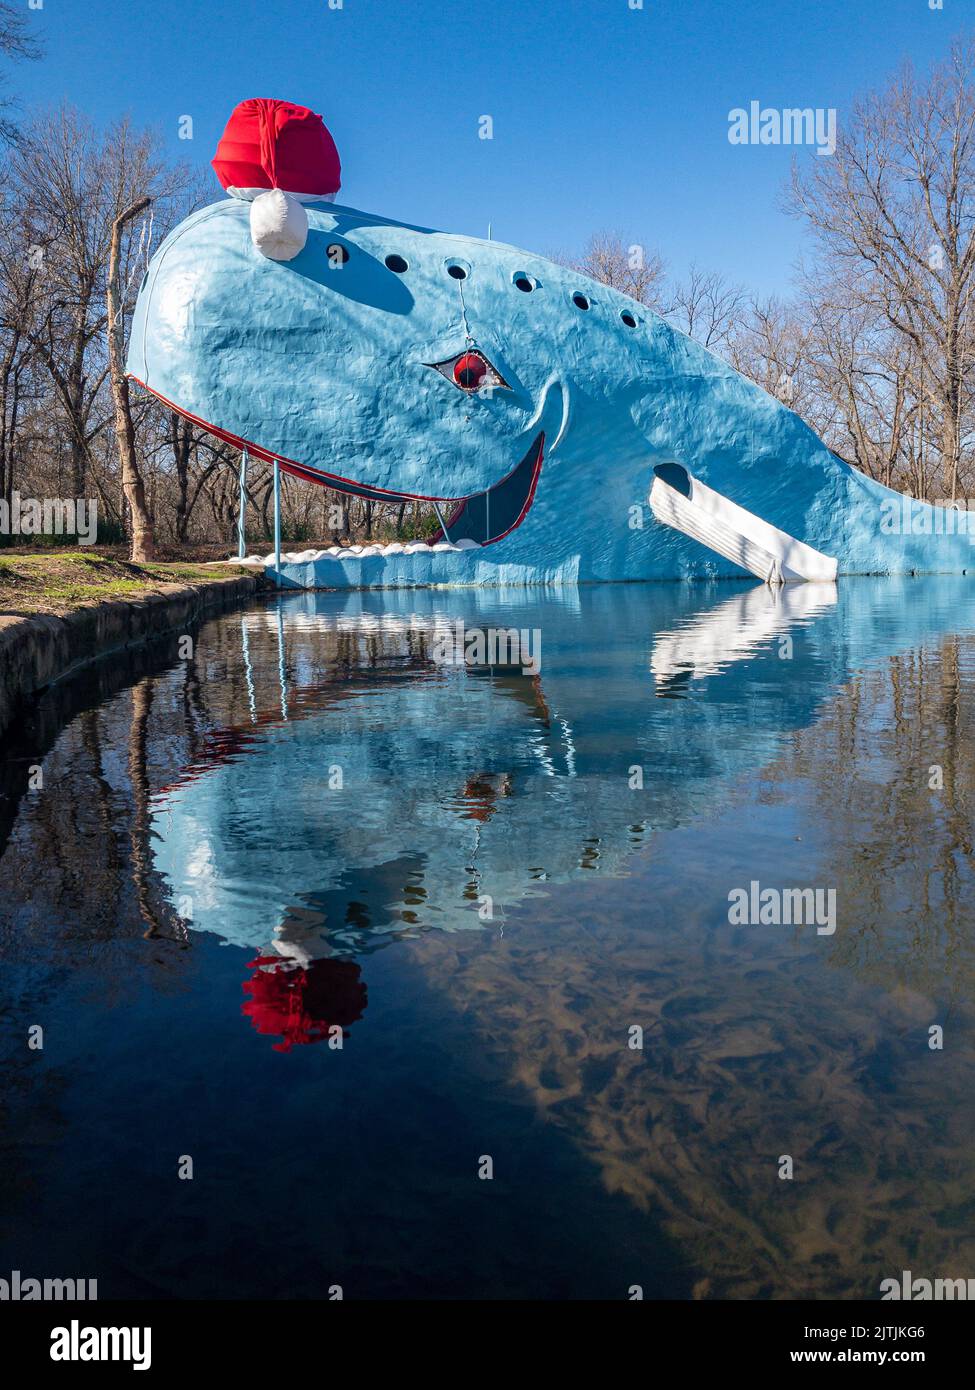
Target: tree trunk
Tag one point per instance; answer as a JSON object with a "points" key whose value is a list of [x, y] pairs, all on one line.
{"points": [[181, 439], [950, 430], [143, 544], [5, 375], [76, 403]]}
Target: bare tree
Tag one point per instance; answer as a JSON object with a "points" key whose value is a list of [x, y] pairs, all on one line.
{"points": [[768, 345], [67, 185], [15, 42], [143, 543], [707, 307], [631, 268], [18, 316], [896, 206], [864, 400], [72, 185]]}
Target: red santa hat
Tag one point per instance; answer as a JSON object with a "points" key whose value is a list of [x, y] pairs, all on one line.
{"points": [[276, 144], [279, 155]]}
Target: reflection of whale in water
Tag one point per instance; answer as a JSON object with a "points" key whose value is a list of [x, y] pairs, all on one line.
{"points": [[433, 796]]}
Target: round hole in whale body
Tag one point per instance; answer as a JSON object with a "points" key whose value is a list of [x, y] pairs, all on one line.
{"points": [[525, 283], [397, 263], [580, 300], [337, 255], [456, 272], [628, 318]]}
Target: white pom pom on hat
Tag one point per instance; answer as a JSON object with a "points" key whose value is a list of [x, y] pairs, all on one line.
{"points": [[281, 155], [279, 225]]}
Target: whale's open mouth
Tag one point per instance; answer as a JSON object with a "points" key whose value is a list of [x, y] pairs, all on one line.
{"points": [[481, 518]]}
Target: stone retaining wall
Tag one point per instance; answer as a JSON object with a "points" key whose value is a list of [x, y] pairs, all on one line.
{"points": [[40, 649]]}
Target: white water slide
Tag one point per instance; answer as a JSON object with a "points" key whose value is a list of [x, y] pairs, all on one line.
{"points": [[679, 500]]}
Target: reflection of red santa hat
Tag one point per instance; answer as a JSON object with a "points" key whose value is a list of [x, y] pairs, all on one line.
{"points": [[279, 155], [302, 1005]]}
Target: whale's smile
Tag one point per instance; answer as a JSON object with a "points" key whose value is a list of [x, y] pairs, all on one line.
{"points": [[479, 518]]}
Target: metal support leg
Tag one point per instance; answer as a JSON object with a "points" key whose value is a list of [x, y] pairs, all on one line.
{"points": [[242, 509], [277, 520], [443, 524]]}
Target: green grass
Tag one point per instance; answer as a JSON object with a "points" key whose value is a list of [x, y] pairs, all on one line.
{"points": [[55, 582]]}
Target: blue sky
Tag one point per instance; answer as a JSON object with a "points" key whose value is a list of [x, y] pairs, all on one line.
{"points": [[604, 117]]}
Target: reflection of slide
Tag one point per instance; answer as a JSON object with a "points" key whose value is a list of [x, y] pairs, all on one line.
{"points": [[710, 641], [681, 501]]}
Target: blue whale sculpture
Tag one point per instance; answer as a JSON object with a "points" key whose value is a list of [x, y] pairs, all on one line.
{"points": [[532, 405]]}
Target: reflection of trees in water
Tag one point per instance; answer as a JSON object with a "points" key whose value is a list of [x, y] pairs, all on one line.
{"points": [[78, 889], [742, 1062], [80, 848], [752, 1049], [158, 917], [902, 856]]}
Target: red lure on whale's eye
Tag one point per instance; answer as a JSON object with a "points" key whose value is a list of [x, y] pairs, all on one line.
{"points": [[470, 370]]}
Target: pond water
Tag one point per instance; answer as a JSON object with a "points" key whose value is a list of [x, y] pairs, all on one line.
{"points": [[351, 921]]}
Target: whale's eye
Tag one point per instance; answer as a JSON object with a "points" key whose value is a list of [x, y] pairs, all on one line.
{"points": [[470, 371], [580, 301], [524, 282], [397, 263], [457, 272], [628, 318]]}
